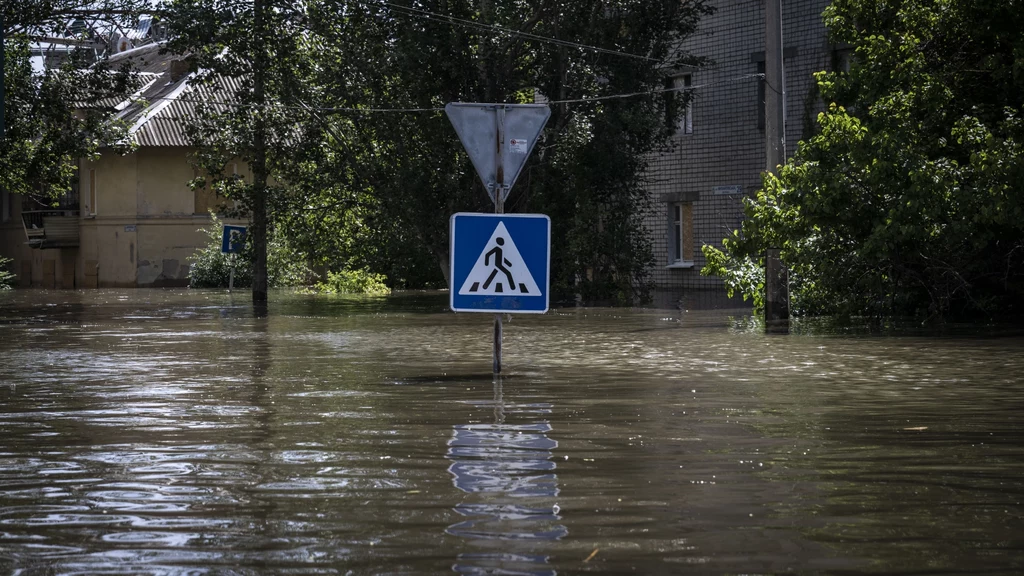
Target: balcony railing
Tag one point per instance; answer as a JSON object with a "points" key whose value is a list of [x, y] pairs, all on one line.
{"points": [[55, 228]]}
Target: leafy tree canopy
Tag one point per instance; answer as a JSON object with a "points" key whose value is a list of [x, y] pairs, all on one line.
{"points": [[58, 114], [910, 197], [375, 169]]}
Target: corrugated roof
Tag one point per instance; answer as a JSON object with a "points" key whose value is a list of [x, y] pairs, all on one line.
{"points": [[165, 122]]}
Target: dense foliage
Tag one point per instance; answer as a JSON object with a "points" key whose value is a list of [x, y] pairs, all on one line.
{"points": [[910, 198], [354, 282], [587, 171], [7, 277], [211, 268], [365, 170], [58, 115]]}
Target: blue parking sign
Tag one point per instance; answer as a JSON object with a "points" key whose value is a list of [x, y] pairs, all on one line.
{"points": [[233, 240], [500, 262]]}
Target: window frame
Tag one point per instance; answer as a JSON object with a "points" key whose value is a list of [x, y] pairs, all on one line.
{"points": [[685, 124], [677, 229], [91, 205]]}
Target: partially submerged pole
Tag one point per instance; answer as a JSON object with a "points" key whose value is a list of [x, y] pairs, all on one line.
{"points": [[499, 208], [776, 301], [776, 306]]}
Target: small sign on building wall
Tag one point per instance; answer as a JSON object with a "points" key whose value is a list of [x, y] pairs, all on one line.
{"points": [[727, 190], [129, 228]]}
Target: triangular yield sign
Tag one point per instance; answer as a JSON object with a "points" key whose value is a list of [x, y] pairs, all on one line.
{"points": [[500, 270], [478, 125]]}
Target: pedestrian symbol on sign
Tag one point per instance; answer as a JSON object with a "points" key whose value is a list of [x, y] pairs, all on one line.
{"points": [[500, 256]]}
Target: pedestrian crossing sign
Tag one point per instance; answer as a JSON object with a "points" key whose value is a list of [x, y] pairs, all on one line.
{"points": [[500, 262]]}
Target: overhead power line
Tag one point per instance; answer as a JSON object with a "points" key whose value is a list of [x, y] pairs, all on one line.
{"points": [[453, 20], [401, 110]]}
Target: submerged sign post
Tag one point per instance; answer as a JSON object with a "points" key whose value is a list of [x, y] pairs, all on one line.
{"points": [[499, 263]]}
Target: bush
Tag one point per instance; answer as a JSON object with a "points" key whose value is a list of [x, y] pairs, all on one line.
{"points": [[354, 282], [211, 268], [6, 278]]}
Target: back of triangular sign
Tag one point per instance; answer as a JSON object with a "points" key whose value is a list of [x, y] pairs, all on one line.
{"points": [[477, 127], [523, 126]]}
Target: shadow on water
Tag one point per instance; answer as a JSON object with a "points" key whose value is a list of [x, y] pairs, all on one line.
{"points": [[509, 474]]}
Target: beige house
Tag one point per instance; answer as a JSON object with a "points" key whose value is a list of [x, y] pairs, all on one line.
{"points": [[132, 220]]}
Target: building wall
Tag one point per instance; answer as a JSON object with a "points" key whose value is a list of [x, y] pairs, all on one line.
{"points": [[142, 229], [50, 269], [145, 227], [721, 161]]}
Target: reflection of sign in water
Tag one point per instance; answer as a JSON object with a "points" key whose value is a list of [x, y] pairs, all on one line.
{"points": [[508, 470], [513, 459]]}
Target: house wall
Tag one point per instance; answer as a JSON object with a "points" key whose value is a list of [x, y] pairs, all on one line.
{"points": [[721, 161], [145, 227], [51, 269]]}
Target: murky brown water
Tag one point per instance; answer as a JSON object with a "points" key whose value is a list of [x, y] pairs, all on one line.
{"points": [[173, 433]]}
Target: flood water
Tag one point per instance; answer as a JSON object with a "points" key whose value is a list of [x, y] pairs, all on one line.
{"points": [[172, 432]]}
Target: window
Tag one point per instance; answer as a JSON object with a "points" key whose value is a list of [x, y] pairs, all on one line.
{"points": [[683, 83], [90, 206], [676, 95], [760, 96], [680, 217]]}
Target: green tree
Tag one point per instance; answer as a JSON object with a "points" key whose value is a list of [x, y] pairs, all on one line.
{"points": [[59, 114], [910, 197], [251, 63], [586, 172], [359, 166]]}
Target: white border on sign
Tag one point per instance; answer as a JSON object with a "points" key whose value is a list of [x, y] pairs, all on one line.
{"points": [[451, 256]]}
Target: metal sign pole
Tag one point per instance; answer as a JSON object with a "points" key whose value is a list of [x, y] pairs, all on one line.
{"points": [[231, 275], [499, 208]]}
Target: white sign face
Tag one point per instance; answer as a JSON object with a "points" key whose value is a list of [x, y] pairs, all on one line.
{"points": [[518, 146], [500, 270]]}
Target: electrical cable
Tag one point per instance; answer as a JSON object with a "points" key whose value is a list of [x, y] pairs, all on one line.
{"points": [[453, 20], [399, 110]]}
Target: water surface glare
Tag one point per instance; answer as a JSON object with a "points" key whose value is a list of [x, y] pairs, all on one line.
{"points": [[172, 432]]}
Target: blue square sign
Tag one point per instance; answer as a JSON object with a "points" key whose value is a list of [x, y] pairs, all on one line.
{"points": [[500, 262], [233, 239]]}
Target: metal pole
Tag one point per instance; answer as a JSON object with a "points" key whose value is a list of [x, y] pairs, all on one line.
{"points": [[499, 208], [231, 275]]}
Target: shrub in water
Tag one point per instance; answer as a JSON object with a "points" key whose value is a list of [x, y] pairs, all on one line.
{"points": [[6, 278], [354, 282], [211, 268]]}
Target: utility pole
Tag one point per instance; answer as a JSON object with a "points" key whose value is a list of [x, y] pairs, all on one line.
{"points": [[775, 89], [259, 160], [776, 302], [3, 92]]}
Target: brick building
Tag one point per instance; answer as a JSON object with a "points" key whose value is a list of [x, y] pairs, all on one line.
{"points": [[719, 147]]}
